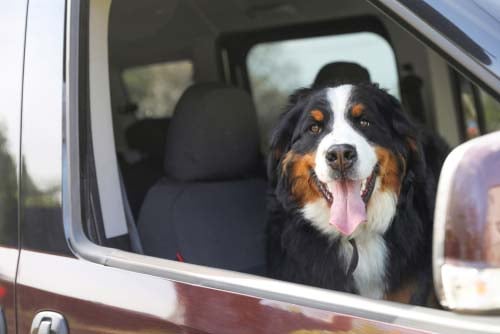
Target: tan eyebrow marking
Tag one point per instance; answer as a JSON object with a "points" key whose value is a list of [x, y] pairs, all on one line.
{"points": [[317, 115], [357, 110]]}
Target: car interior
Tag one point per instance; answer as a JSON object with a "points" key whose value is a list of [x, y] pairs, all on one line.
{"points": [[182, 96]]}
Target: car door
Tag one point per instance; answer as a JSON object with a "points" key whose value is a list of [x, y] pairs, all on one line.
{"points": [[62, 287], [12, 29], [68, 284]]}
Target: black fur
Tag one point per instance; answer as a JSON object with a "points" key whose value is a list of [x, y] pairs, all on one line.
{"points": [[297, 252]]}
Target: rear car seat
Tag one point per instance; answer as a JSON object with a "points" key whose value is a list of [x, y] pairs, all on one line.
{"points": [[147, 137], [210, 207], [341, 72]]}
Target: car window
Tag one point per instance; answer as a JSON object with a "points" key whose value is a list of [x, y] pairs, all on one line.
{"points": [[480, 112], [276, 69], [469, 109], [491, 109], [156, 88]]}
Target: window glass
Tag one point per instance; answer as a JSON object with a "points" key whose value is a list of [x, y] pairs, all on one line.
{"points": [[276, 69], [12, 31], [491, 108], [480, 111], [469, 110], [156, 88]]}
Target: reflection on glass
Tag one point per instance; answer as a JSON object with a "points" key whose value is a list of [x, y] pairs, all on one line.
{"points": [[12, 25], [469, 110], [491, 109], [8, 190], [480, 111], [42, 108], [276, 69], [41, 142]]}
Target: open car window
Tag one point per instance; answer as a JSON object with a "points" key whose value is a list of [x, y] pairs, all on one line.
{"points": [[194, 198]]}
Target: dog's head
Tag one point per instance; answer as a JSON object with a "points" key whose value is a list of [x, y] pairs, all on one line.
{"points": [[340, 155]]}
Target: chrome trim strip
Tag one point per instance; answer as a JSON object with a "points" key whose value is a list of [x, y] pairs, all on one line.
{"points": [[260, 287]]}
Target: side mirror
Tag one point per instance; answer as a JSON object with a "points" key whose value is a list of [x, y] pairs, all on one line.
{"points": [[466, 246]]}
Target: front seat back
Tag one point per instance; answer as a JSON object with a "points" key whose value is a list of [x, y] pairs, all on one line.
{"points": [[210, 207]]}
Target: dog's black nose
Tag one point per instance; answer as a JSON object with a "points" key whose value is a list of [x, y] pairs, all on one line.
{"points": [[341, 157]]}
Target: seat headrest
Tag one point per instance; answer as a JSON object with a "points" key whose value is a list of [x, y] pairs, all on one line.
{"points": [[213, 135], [341, 73]]}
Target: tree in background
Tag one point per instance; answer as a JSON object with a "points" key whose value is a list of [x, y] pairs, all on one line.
{"points": [[8, 190], [272, 81], [157, 88]]}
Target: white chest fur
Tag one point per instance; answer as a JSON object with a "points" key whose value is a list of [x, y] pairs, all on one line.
{"points": [[370, 272], [369, 275]]}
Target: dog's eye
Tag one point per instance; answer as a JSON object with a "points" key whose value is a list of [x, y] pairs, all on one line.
{"points": [[315, 128], [364, 123]]}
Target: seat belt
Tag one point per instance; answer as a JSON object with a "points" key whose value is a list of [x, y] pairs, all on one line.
{"points": [[135, 240]]}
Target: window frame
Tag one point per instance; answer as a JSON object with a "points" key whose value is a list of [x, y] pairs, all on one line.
{"points": [[207, 277]]}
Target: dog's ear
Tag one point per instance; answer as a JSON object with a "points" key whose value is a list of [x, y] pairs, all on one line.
{"points": [[427, 150], [405, 128], [411, 146], [402, 127], [281, 136]]}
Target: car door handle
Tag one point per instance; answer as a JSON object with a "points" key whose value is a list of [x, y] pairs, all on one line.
{"points": [[43, 328], [48, 322]]}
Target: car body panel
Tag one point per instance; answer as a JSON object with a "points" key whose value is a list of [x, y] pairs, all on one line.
{"points": [[100, 299], [12, 31]]}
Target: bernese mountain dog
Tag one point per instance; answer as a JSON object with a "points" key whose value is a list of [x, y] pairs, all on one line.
{"points": [[352, 194]]}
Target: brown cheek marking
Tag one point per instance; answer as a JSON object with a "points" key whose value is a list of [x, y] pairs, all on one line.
{"points": [[390, 172], [357, 110], [317, 115], [303, 188]]}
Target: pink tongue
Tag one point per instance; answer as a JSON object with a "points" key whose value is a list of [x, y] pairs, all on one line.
{"points": [[348, 209]]}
